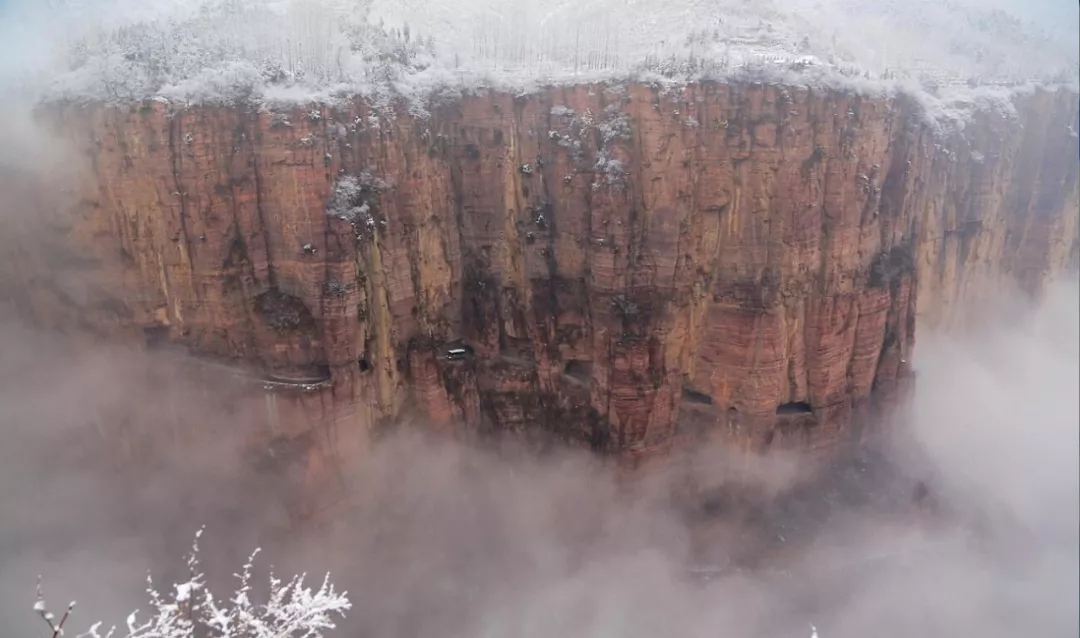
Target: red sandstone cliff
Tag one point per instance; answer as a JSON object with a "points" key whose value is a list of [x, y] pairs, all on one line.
{"points": [[626, 269]]}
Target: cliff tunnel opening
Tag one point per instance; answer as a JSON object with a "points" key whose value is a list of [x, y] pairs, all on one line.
{"points": [[155, 337], [317, 373], [457, 351], [693, 396], [363, 364], [794, 408], [580, 371]]}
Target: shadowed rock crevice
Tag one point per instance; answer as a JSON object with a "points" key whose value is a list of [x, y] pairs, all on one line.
{"points": [[794, 409], [283, 312], [578, 371], [693, 396]]}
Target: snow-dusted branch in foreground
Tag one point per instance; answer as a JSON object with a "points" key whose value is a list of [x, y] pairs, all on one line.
{"points": [[292, 609]]}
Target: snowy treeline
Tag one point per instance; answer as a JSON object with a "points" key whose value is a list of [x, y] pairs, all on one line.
{"points": [[292, 609], [237, 49], [302, 50], [948, 54]]}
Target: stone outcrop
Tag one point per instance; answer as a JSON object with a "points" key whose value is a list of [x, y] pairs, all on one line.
{"points": [[621, 267]]}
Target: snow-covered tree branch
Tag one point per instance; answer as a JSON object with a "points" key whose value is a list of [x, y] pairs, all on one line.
{"points": [[292, 609]]}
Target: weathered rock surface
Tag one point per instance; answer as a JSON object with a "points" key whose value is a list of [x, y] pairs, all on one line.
{"points": [[623, 268]]}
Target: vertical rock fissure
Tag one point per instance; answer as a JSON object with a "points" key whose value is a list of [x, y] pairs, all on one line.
{"points": [[255, 142], [550, 256], [175, 130]]}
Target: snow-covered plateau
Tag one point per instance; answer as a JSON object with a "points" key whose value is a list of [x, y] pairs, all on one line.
{"points": [[950, 54]]}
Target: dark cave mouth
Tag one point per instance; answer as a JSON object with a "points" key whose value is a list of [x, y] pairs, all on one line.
{"points": [[794, 409], [578, 370], [155, 337], [693, 396]]}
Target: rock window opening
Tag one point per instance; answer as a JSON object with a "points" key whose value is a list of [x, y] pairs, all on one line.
{"points": [[317, 373], [458, 352], [798, 407], [579, 370], [155, 336], [693, 396]]}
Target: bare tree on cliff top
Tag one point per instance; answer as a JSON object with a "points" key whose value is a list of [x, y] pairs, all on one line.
{"points": [[292, 610]]}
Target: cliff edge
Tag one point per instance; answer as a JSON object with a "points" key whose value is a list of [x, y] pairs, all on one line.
{"points": [[623, 267]]}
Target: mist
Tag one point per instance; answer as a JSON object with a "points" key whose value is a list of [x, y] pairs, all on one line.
{"points": [[962, 522], [108, 469]]}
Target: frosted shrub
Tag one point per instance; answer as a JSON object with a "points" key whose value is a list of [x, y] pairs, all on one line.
{"points": [[234, 51], [292, 609]]}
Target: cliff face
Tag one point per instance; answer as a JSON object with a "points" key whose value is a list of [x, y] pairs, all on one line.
{"points": [[625, 268]]}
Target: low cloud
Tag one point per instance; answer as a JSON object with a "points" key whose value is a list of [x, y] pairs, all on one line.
{"points": [[112, 459]]}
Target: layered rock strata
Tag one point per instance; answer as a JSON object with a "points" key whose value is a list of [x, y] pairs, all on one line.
{"points": [[621, 267]]}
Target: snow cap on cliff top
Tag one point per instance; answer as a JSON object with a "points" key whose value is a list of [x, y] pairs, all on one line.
{"points": [[297, 51]]}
